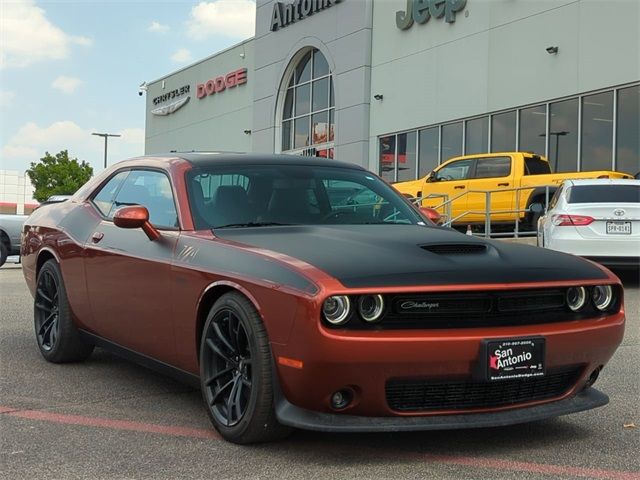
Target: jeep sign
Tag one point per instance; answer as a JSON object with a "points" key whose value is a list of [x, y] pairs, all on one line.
{"points": [[420, 11]]}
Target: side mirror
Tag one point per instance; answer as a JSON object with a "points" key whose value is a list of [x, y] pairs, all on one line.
{"points": [[432, 214], [135, 216], [432, 176]]}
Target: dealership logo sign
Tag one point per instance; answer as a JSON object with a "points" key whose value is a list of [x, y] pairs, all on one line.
{"points": [[169, 108], [284, 15], [221, 83], [420, 11]]}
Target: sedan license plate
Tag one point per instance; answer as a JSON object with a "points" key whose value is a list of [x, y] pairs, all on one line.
{"points": [[618, 228], [514, 358]]}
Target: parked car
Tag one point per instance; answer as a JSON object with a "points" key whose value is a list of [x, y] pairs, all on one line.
{"points": [[597, 219], [494, 171], [239, 274], [10, 229]]}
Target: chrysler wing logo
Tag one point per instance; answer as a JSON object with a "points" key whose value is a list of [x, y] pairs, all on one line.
{"points": [[410, 305], [170, 107], [619, 212]]}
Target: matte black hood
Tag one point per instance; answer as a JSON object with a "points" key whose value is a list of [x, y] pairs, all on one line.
{"points": [[396, 255]]}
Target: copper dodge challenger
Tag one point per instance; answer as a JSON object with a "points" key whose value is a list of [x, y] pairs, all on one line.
{"points": [[308, 293]]}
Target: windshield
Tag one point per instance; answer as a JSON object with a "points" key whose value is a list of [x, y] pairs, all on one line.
{"points": [[263, 195]]}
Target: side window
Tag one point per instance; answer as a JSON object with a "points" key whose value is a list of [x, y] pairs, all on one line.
{"points": [[151, 190], [454, 171], [104, 199], [495, 167]]}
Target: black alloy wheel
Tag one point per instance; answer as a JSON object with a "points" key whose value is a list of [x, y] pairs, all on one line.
{"points": [[228, 370], [236, 374], [47, 310], [58, 338]]}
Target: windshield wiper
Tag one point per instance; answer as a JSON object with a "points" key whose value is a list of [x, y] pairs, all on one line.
{"points": [[252, 224]]}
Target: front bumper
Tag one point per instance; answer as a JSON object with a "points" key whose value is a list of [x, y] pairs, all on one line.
{"points": [[366, 361], [293, 416]]}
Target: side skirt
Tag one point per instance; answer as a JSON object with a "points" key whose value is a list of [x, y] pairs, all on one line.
{"points": [[143, 360]]}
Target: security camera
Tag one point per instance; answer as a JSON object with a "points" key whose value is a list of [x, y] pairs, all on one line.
{"points": [[552, 50], [140, 92]]}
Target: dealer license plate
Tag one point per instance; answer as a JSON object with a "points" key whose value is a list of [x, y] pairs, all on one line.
{"points": [[619, 228], [514, 358]]}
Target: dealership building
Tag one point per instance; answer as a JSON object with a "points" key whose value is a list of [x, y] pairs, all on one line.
{"points": [[399, 86]]}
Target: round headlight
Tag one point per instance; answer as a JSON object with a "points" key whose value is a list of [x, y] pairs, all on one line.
{"points": [[336, 309], [576, 298], [602, 296], [371, 307]]}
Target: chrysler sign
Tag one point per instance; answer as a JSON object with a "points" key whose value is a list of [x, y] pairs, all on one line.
{"points": [[420, 11], [285, 14]]}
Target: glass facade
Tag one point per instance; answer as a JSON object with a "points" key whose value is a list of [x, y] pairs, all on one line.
{"points": [[563, 135], [308, 110], [599, 131]]}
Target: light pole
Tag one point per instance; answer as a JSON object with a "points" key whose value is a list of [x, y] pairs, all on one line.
{"points": [[106, 137], [557, 135]]}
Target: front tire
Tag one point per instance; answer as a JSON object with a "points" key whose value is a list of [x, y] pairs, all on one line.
{"points": [[4, 253], [236, 373], [58, 339]]}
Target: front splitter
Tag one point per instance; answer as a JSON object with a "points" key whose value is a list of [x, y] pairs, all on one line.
{"points": [[289, 414]]}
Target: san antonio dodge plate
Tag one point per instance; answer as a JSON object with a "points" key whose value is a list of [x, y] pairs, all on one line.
{"points": [[308, 293]]}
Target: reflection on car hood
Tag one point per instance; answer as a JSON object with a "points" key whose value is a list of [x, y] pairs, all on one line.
{"points": [[395, 255]]}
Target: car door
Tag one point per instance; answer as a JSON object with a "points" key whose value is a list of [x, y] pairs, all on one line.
{"points": [[493, 174], [128, 275], [449, 183]]}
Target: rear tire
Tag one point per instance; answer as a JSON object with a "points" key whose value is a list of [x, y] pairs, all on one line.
{"points": [[4, 253], [58, 338], [236, 373]]}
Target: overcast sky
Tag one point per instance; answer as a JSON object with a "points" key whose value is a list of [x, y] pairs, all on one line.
{"points": [[69, 68]]}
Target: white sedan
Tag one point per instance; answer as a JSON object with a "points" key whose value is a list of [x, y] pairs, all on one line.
{"points": [[598, 219]]}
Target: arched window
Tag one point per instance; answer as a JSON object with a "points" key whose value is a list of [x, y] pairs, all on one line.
{"points": [[308, 110]]}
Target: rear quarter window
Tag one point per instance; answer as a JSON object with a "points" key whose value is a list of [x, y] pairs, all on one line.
{"points": [[536, 166]]}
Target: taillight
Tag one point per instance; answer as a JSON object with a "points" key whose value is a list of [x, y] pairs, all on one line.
{"points": [[571, 220]]}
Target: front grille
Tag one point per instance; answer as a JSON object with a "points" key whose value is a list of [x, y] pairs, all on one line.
{"points": [[478, 309], [424, 395], [455, 248]]}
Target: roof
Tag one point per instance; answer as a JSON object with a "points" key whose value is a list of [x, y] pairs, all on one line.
{"points": [[206, 159], [604, 181]]}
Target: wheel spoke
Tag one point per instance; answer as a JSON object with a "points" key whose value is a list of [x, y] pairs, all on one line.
{"points": [[44, 296], [231, 400], [237, 398], [222, 389], [46, 324], [246, 382], [218, 352], [223, 339], [217, 376], [46, 334], [43, 307], [233, 330]]}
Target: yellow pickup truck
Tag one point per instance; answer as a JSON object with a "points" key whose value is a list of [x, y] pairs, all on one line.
{"points": [[463, 180]]}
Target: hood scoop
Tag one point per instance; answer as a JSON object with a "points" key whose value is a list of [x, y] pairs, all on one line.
{"points": [[455, 248]]}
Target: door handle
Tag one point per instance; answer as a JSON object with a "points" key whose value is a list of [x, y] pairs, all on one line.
{"points": [[503, 184], [96, 237], [459, 187]]}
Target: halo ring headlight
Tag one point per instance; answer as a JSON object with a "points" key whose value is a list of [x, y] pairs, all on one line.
{"points": [[576, 298], [371, 307], [336, 309], [602, 296]]}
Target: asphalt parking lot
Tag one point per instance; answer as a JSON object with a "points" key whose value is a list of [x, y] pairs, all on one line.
{"points": [[107, 418]]}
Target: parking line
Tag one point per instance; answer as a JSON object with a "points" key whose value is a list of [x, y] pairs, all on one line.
{"points": [[458, 460], [542, 468], [109, 423]]}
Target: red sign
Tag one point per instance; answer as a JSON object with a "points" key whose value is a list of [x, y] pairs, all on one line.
{"points": [[219, 84]]}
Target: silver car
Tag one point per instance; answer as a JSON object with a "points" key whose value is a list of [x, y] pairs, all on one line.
{"points": [[598, 219], [10, 229]]}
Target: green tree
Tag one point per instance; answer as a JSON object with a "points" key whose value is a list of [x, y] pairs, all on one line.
{"points": [[58, 175]]}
